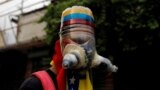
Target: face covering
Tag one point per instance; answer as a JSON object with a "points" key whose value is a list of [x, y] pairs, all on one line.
{"points": [[78, 47], [78, 41]]}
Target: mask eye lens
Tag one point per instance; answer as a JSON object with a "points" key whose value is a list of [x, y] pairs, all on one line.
{"points": [[77, 37], [79, 40]]}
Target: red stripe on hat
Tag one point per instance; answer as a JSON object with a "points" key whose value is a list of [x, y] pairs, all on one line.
{"points": [[78, 21]]}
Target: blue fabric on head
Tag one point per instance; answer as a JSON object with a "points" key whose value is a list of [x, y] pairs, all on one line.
{"points": [[78, 16]]}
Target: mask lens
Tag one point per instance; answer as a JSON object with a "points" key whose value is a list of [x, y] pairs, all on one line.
{"points": [[77, 37]]}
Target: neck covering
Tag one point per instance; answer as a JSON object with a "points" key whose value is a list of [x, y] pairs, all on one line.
{"points": [[57, 61]]}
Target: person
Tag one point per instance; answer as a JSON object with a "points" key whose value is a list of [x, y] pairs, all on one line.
{"points": [[75, 61], [33, 83]]}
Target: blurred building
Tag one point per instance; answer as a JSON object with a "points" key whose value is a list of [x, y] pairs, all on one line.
{"points": [[29, 29], [29, 53], [2, 44]]}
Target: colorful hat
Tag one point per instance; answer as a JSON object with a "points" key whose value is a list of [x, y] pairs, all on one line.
{"points": [[77, 16]]}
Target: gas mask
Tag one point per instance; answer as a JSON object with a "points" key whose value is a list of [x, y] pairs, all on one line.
{"points": [[79, 39], [78, 42], [78, 47]]}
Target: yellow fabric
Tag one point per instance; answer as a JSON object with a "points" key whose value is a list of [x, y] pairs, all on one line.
{"points": [[51, 63], [85, 84], [77, 10]]}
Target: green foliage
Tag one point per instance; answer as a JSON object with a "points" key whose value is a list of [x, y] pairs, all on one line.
{"points": [[133, 22], [121, 25], [53, 16]]}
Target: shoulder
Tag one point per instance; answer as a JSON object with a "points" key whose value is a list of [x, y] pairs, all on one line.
{"points": [[31, 83]]}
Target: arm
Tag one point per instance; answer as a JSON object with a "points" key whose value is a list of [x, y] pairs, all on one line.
{"points": [[31, 83]]}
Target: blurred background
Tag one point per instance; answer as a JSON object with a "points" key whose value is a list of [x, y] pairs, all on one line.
{"points": [[127, 32]]}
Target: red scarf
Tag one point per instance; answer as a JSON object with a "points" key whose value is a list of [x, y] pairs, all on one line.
{"points": [[57, 61]]}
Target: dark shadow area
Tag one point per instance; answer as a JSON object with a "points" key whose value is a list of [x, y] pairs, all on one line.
{"points": [[138, 69], [12, 67]]}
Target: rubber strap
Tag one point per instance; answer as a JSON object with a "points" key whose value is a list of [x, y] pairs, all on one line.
{"points": [[45, 79]]}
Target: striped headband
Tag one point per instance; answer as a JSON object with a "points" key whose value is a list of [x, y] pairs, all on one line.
{"points": [[77, 15]]}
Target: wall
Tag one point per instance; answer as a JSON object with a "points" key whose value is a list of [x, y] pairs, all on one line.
{"points": [[1, 40], [29, 28]]}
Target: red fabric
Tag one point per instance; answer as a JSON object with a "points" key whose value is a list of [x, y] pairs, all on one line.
{"points": [[57, 59], [61, 80], [45, 79]]}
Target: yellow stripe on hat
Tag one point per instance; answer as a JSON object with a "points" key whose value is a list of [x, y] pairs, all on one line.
{"points": [[85, 84], [77, 9]]}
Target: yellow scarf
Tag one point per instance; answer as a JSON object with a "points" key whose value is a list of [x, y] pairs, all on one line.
{"points": [[85, 84], [75, 82]]}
